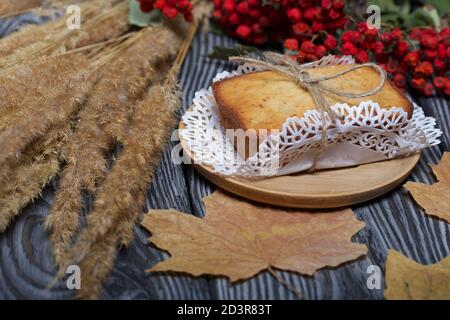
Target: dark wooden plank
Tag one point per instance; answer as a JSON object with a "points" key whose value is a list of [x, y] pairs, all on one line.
{"points": [[392, 222]]}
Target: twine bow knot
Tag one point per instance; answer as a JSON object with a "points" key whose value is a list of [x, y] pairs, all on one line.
{"points": [[314, 85]]}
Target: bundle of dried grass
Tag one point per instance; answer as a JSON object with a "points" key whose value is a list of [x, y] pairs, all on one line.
{"points": [[112, 22], [17, 6], [28, 173], [52, 108], [26, 179], [32, 81], [103, 123], [33, 34], [121, 197], [33, 134]]}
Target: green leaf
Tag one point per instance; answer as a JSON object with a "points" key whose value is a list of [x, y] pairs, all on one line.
{"points": [[136, 17], [391, 18], [442, 6], [433, 15], [386, 6], [405, 8], [423, 17], [156, 18]]}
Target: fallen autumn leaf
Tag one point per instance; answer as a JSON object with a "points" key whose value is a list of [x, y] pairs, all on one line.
{"points": [[238, 239], [408, 280], [434, 198]]}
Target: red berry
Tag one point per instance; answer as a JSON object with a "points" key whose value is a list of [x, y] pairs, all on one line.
{"points": [[255, 13], [401, 48], [308, 47], [424, 69], [371, 33], [146, 6], [330, 42], [377, 47], [320, 51], [243, 7], [317, 26], [362, 27], [170, 12], [229, 5], [256, 28], [447, 86], [294, 14], [291, 44], [445, 33], [439, 65], [326, 4], [234, 19], [243, 31], [349, 48], [399, 80], [338, 4], [439, 82], [429, 54], [392, 66], [418, 83], [361, 56], [312, 13], [351, 36], [397, 34], [386, 38], [412, 58], [429, 42], [300, 28], [333, 14], [442, 51], [428, 89]]}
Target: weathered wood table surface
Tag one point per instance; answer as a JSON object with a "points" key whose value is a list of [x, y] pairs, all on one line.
{"points": [[393, 221]]}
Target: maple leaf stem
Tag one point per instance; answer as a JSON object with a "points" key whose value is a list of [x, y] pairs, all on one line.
{"points": [[285, 283]]}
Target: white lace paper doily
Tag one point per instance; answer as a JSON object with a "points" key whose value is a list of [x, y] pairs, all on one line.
{"points": [[368, 133]]}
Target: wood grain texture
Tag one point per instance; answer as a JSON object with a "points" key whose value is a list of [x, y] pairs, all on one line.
{"points": [[393, 222]]}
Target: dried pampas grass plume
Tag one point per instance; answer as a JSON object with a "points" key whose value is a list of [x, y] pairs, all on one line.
{"points": [[103, 122], [111, 221], [53, 108], [32, 34], [112, 22], [32, 82], [26, 179], [121, 198], [8, 8]]}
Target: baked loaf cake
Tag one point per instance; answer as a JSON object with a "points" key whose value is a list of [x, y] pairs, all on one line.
{"points": [[265, 99]]}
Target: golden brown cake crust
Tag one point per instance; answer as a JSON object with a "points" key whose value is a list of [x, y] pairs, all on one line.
{"points": [[265, 99]]}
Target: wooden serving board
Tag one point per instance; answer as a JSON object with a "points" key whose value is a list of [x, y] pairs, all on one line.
{"points": [[323, 189]]}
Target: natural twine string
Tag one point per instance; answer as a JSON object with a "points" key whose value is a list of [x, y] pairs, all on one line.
{"points": [[314, 85]]}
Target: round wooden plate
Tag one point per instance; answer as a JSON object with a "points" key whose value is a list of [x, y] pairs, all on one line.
{"points": [[323, 189]]}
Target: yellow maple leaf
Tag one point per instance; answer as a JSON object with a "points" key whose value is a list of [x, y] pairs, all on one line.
{"points": [[238, 239], [435, 198], [408, 280]]}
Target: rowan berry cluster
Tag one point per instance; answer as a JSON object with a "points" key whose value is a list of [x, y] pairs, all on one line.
{"points": [[260, 21], [421, 56], [169, 8]]}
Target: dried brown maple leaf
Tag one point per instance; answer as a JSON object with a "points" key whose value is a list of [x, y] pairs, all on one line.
{"points": [[435, 198], [238, 239], [406, 279]]}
